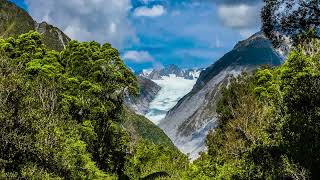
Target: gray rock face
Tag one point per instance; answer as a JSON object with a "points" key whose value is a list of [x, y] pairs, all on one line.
{"points": [[148, 91], [189, 122], [52, 36]]}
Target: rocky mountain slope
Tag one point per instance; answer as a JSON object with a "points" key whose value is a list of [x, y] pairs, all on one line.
{"points": [[188, 123], [161, 89], [154, 82], [148, 91], [157, 74], [15, 21]]}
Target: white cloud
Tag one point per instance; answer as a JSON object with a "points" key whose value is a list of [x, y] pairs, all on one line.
{"points": [[157, 10], [138, 56], [241, 16], [86, 20]]}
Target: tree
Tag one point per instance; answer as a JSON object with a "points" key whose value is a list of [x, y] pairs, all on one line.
{"points": [[300, 82], [61, 113], [37, 140], [296, 21]]}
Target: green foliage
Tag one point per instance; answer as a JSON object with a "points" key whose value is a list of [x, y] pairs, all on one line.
{"points": [[297, 21], [300, 83], [140, 128], [61, 112], [62, 116], [151, 161], [268, 124]]}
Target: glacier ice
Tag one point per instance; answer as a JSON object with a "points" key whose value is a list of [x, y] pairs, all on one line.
{"points": [[173, 88]]}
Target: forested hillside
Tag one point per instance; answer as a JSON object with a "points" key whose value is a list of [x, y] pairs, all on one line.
{"points": [[268, 123], [62, 115]]}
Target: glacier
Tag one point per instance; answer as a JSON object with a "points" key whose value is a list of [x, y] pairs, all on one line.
{"points": [[173, 88]]}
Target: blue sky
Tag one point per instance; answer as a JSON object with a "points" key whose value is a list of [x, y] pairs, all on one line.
{"points": [[154, 33]]}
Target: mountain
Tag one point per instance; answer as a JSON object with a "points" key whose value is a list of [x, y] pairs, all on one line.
{"points": [[154, 102], [15, 21], [188, 123], [148, 91], [157, 74]]}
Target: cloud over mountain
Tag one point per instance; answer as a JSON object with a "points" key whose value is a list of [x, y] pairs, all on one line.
{"points": [[85, 20], [138, 56], [190, 33], [240, 14]]}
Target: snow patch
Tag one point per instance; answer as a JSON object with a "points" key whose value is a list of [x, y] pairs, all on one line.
{"points": [[195, 74], [195, 143]]}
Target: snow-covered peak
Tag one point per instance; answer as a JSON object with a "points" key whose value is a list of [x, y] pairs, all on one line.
{"points": [[157, 74]]}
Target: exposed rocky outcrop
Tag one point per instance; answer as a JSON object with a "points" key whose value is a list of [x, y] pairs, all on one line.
{"points": [[188, 123], [15, 21], [52, 37], [148, 91]]}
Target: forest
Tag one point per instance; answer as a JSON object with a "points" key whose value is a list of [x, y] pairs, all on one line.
{"points": [[62, 114]]}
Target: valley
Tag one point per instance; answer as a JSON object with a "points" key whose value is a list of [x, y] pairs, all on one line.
{"points": [[174, 83], [152, 90], [185, 106]]}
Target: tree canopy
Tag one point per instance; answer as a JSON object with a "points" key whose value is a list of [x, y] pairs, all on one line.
{"points": [[61, 114], [291, 21]]}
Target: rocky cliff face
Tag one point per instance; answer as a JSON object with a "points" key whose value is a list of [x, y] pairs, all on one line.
{"points": [[148, 91], [15, 21], [52, 37], [188, 123]]}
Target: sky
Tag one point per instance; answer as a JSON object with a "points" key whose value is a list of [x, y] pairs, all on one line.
{"points": [[154, 33]]}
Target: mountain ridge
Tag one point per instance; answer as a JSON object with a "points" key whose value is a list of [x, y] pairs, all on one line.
{"points": [[188, 123], [171, 69], [15, 21]]}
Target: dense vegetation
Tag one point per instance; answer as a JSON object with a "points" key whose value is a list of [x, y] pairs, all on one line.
{"points": [[291, 21], [62, 116], [268, 124], [141, 128], [269, 120]]}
